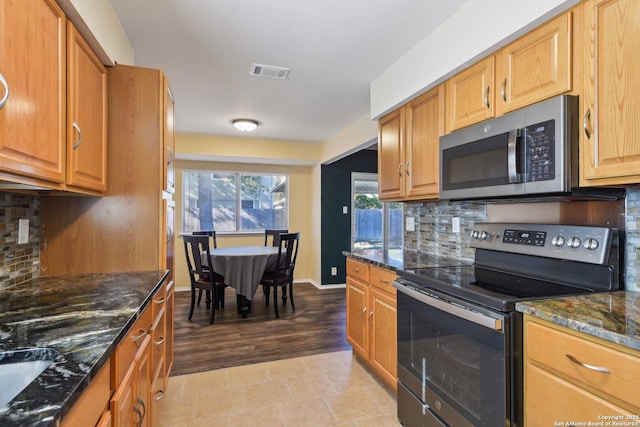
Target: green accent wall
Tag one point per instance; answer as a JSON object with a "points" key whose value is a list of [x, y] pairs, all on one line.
{"points": [[336, 226]]}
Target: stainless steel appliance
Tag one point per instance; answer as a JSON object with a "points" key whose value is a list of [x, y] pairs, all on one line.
{"points": [[529, 151], [459, 336]]}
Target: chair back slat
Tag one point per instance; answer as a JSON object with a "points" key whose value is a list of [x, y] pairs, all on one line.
{"points": [[275, 235]]}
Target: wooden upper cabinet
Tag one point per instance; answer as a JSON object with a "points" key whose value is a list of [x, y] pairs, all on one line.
{"points": [[32, 62], [536, 66], [87, 115], [408, 148], [424, 124], [169, 139], [391, 155], [610, 142], [469, 95]]}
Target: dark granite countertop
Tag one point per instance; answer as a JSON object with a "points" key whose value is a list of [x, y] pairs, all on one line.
{"points": [[83, 317], [612, 316], [406, 260]]}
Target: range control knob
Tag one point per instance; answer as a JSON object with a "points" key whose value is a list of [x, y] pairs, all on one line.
{"points": [[484, 235], [574, 242], [557, 241], [475, 234], [591, 244]]}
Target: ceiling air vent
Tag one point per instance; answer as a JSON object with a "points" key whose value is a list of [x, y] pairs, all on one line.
{"points": [[269, 71]]}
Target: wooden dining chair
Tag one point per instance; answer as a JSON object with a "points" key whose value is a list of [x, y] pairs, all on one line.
{"points": [[213, 244], [273, 236], [282, 273], [202, 277]]}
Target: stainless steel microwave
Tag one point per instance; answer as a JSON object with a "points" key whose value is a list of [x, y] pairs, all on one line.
{"points": [[529, 151]]}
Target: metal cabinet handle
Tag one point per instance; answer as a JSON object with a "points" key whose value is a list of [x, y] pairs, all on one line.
{"points": [[160, 341], [144, 407], [584, 365], [486, 97], [503, 90], [586, 121], [406, 168], [161, 301], [370, 315], [399, 171], [6, 91], [140, 417], [137, 338], [79, 141], [158, 395]]}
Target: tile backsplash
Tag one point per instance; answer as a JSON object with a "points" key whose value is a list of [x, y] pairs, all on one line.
{"points": [[632, 246], [18, 263]]}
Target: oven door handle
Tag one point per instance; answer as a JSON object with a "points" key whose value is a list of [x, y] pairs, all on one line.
{"points": [[496, 323]]}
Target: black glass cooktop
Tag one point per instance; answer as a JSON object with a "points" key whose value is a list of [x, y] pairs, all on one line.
{"points": [[485, 286]]}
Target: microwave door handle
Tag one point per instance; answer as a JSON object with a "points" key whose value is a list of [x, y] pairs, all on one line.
{"points": [[512, 157]]}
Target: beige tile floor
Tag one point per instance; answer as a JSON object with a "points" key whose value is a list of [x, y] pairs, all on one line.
{"points": [[331, 389]]}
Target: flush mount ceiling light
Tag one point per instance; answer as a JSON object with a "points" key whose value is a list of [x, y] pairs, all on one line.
{"points": [[245, 125]]}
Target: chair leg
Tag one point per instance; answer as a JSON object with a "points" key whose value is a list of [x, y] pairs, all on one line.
{"points": [[222, 289], [193, 302], [199, 295], [284, 295], [267, 293], [275, 301], [291, 295], [214, 304]]}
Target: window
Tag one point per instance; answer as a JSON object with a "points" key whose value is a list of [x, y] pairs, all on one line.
{"points": [[234, 201]]}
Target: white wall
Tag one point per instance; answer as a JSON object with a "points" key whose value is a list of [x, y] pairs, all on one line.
{"points": [[478, 28]]}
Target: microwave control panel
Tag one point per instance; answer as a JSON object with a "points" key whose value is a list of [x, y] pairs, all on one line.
{"points": [[539, 149]]}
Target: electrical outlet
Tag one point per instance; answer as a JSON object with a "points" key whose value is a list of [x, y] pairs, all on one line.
{"points": [[455, 224], [23, 231], [334, 271], [345, 210]]}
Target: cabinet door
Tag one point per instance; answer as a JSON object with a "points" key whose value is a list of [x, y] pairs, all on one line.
{"points": [[87, 115], [535, 67], [391, 167], [470, 95], [424, 118], [357, 317], [610, 146], [32, 61], [383, 354], [123, 399], [550, 400], [169, 139], [143, 383]]}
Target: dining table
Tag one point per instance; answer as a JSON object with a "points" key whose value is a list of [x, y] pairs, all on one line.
{"points": [[243, 268]]}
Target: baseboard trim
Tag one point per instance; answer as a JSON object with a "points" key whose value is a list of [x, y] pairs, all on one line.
{"points": [[313, 282]]}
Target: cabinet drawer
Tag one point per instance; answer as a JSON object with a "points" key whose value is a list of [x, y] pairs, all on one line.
{"points": [[382, 279], [125, 352], [550, 347], [158, 301], [358, 270]]}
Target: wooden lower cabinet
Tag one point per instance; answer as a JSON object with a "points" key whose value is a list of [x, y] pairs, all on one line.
{"points": [[130, 404], [91, 407], [558, 389], [372, 319]]}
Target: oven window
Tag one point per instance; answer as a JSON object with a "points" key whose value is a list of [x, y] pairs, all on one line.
{"points": [[459, 362]]}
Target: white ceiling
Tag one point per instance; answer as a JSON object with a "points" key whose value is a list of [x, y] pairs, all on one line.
{"points": [[334, 49]]}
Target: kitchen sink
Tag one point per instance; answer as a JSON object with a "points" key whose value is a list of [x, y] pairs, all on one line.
{"points": [[18, 368]]}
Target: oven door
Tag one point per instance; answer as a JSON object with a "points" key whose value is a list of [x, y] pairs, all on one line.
{"points": [[454, 361]]}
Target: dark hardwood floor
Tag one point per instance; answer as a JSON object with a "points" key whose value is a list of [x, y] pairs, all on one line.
{"points": [[316, 326]]}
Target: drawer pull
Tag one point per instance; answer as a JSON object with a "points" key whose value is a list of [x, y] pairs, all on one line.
{"points": [[592, 367], [159, 341], [384, 281], [137, 338], [158, 395], [161, 301]]}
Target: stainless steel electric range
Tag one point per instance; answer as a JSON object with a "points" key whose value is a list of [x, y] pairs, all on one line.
{"points": [[459, 336]]}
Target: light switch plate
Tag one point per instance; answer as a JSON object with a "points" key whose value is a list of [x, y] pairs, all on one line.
{"points": [[23, 231], [410, 223], [455, 224], [345, 210]]}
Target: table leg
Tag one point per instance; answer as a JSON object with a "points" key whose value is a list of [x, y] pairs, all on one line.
{"points": [[244, 305]]}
